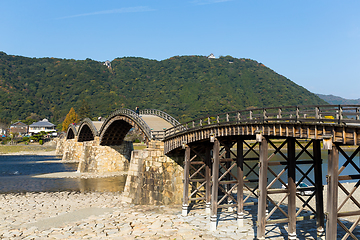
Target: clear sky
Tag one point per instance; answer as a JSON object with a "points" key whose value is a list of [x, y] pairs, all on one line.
{"points": [[316, 44]]}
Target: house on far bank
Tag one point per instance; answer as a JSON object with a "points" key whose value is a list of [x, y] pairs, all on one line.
{"points": [[3, 131], [42, 126], [19, 128]]}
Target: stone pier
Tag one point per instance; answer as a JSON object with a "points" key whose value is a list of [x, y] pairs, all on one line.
{"points": [[152, 177]]}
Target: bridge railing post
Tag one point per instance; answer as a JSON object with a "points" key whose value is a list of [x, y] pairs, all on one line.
{"points": [[264, 115], [317, 111], [297, 114], [279, 113], [340, 114]]}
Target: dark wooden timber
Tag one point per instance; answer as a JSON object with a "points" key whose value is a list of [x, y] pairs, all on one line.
{"points": [[262, 188], [292, 188], [331, 225], [186, 181], [320, 224], [208, 179], [240, 181], [215, 184]]}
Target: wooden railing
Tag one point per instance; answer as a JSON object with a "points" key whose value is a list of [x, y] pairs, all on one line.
{"points": [[335, 114]]}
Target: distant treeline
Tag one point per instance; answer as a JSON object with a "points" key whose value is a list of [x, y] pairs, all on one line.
{"points": [[334, 100], [185, 87]]}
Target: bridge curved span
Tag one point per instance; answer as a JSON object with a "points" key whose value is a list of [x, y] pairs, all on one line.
{"points": [[71, 132], [151, 123], [118, 124], [88, 130], [340, 122]]}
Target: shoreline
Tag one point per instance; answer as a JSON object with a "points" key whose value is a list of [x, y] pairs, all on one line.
{"points": [[26, 153], [48, 149]]}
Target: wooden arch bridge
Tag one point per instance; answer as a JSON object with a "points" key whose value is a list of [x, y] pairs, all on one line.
{"points": [[228, 153], [150, 122]]}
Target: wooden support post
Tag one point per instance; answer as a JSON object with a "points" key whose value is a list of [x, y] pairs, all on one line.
{"points": [[263, 161], [333, 168], [185, 205], [240, 187], [319, 198], [292, 188], [228, 176], [215, 186], [208, 180]]}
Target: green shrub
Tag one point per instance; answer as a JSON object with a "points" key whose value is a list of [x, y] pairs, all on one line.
{"points": [[25, 139], [41, 142]]}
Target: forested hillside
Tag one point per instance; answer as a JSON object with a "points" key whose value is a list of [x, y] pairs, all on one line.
{"points": [[185, 87], [335, 100]]}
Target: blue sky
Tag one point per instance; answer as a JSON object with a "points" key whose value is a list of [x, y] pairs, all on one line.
{"points": [[316, 44]]}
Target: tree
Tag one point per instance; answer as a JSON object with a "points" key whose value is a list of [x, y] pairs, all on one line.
{"points": [[84, 110], [71, 117]]}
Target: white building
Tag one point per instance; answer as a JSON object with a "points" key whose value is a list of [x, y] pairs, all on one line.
{"points": [[211, 56], [107, 63], [42, 126]]}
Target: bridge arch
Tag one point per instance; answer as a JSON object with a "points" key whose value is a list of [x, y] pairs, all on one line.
{"points": [[118, 124], [87, 131], [71, 132]]}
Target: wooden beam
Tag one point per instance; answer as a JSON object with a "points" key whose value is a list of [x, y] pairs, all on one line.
{"points": [[215, 185], [292, 188], [333, 166], [319, 198], [185, 205], [240, 179], [208, 179], [262, 188]]}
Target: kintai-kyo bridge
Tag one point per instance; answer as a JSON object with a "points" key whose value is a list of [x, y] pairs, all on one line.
{"points": [[228, 153]]}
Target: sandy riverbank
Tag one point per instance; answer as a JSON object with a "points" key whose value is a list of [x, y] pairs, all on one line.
{"points": [[30, 149], [65, 215], [96, 215]]}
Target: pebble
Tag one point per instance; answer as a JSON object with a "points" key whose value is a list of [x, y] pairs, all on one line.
{"points": [[20, 213]]}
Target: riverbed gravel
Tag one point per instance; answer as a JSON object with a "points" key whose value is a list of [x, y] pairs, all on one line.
{"points": [[96, 215]]}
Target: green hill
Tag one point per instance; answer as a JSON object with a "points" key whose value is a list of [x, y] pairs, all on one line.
{"points": [[335, 100], [185, 87]]}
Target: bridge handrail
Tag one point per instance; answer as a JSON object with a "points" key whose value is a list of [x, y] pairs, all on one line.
{"points": [[336, 114], [130, 113], [161, 114]]}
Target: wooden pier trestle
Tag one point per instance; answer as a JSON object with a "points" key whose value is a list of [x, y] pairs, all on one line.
{"points": [[229, 163], [226, 189]]}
